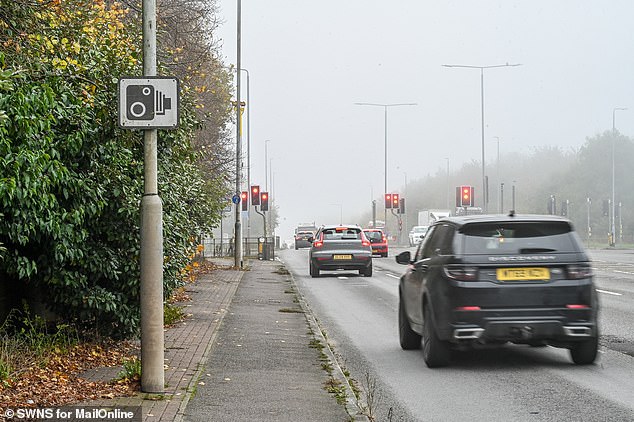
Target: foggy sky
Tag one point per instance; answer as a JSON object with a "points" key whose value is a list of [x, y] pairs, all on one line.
{"points": [[309, 62]]}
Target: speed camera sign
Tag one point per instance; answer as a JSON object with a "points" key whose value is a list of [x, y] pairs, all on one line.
{"points": [[148, 103]]}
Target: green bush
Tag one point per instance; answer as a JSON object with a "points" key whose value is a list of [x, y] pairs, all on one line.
{"points": [[71, 181]]}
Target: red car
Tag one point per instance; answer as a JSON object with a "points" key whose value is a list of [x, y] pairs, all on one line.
{"points": [[378, 241]]}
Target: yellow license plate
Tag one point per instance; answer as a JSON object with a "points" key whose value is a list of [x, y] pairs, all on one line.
{"points": [[529, 273], [342, 257]]}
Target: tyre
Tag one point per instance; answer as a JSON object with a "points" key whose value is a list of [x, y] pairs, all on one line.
{"points": [[436, 352], [384, 255], [314, 271], [367, 272], [408, 338], [585, 352]]}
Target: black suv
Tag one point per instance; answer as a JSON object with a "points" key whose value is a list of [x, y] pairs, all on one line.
{"points": [[488, 279]]}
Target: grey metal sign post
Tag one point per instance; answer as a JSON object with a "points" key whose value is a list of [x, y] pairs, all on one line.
{"points": [[149, 103]]}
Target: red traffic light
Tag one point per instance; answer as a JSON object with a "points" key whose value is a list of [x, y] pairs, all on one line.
{"points": [[395, 201], [255, 195], [466, 196], [388, 200], [244, 200], [264, 201]]}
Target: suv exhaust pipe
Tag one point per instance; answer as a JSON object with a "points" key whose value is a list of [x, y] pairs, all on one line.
{"points": [[467, 333], [578, 331]]}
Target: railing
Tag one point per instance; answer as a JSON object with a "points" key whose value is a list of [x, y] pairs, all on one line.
{"points": [[252, 247]]}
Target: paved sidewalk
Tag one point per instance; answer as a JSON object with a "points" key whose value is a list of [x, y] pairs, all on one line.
{"points": [[244, 354], [262, 366]]}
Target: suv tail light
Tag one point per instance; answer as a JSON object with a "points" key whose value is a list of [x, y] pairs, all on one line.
{"points": [[461, 272], [364, 241], [577, 272], [318, 243]]}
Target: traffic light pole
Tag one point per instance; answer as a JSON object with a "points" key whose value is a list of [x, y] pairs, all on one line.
{"points": [[263, 217]]}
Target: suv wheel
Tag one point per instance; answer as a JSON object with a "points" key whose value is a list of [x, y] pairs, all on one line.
{"points": [[314, 271], [435, 351], [585, 352], [367, 272], [408, 338]]}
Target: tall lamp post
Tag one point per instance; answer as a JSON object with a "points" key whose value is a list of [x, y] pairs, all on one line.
{"points": [[484, 198], [237, 239], [612, 226], [500, 205], [385, 107]]}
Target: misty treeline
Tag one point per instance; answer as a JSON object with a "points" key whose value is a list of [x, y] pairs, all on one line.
{"points": [[581, 176], [71, 180]]}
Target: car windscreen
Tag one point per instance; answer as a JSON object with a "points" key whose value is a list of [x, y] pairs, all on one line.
{"points": [[504, 238]]}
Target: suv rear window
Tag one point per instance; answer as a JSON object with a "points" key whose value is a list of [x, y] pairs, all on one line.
{"points": [[518, 238], [374, 235], [342, 233]]}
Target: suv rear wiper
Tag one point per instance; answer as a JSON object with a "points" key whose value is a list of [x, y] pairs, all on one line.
{"points": [[536, 250]]}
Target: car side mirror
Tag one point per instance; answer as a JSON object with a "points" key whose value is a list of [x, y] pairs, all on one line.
{"points": [[404, 258]]}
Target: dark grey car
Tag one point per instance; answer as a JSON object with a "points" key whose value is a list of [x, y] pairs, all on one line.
{"points": [[340, 248], [495, 279]]}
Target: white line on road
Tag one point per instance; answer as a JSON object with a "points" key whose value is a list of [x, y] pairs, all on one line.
{"points": [[609, 293], [624, 272], [392, 275]]}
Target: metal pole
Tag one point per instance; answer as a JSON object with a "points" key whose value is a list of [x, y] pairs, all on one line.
{"points": [[403, 199], [151, 259], [266, 162], [248, 153], [238, 225], [385, 164], [612, 227], [589, 202], [500, 207], [501, 195], [485, 198]]}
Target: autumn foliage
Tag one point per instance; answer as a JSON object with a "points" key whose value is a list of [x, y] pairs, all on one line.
{"points": [[71, 180]]}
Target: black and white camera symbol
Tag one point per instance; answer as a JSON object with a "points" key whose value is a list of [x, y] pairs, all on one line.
{"points": [[144, 102]]}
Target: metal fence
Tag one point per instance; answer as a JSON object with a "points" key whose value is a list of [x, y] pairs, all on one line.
{"points": [[252, 247]]}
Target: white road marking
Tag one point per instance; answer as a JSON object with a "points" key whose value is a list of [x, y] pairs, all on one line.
{"points": [[624, 272], [392, 275], [609, 293]]}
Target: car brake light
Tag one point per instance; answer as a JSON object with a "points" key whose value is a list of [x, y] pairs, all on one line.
{"points": [[468, 308], [461, 273], [576, 306], [576, 272], [318, 244]]}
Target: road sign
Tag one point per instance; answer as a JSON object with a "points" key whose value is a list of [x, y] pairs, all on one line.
{"points": [[148, 103], [235, 199]]}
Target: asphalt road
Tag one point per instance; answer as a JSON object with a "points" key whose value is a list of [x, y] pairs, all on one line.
{"points": [[513, 383]]}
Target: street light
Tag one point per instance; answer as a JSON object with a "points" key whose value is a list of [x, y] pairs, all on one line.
{"points": [[238, 224], [385, 107], [612, 226], [484, 198], [500, 205]]}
